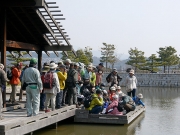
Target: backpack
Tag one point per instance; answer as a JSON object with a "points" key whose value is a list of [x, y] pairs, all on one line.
{"points": [[87, 101], [120, 107], [9, 74], [70, 78], [48, 80]]}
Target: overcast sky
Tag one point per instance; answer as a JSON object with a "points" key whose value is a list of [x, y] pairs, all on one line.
{"points": [[145, 24]]}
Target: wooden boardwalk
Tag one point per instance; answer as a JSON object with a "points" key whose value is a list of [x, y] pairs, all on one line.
{"points": [[16, 122]]}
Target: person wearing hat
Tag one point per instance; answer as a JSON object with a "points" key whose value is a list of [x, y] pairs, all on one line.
{"points": [[99, 73], [67, 63], [96, 103], [86, 76], [16, 72], [34, 87], [131, 83], [62, 76], [112, 93], [113, 77], [118, 90], [3, 80], [137, 99], [127, 102], [42, 94], [51, 90], [112, 108]]}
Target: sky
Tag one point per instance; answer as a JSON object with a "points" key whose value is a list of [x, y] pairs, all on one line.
{"points": [[144, 24]]}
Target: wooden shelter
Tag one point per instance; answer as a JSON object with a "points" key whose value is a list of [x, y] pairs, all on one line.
{"points": [[31, 25]]}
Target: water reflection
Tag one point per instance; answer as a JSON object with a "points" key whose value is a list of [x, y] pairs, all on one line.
{"points": [[161, 117]]}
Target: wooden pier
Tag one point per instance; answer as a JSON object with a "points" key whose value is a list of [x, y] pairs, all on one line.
{"points": [[16, 122], [84, 117]]}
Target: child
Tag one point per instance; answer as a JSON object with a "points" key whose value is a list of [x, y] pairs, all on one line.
{"points": [[112, 93]]}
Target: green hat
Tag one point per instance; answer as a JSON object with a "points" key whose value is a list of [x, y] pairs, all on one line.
{"points": [[33, 61]]}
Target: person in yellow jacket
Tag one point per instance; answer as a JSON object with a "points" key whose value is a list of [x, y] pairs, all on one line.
{"points": [[93, 77], [96, 103], [62, 76]]}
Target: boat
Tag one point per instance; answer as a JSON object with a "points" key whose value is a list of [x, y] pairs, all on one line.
{"points": [[83, 116]]}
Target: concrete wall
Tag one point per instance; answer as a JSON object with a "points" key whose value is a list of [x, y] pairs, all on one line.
{"points": [[153, 80]]}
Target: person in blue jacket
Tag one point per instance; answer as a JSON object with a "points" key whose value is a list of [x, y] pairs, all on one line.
{"points": [[137, 99]]}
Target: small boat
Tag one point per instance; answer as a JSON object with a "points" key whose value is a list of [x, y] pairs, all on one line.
{"points": [[83, 116]]}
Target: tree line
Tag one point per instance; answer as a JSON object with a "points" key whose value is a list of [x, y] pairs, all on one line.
{"points": [[166, 58]]}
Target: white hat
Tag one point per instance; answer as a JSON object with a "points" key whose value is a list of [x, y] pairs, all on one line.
{"points": [[112, 88], [115, 85], [76, 64], [131, 71], [68, 60], [90, 67], [121, 94], [118, 87], [115, 96], [104, 91], [140, 96], [53, 65]]}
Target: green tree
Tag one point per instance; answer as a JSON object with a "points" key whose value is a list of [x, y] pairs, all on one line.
{"points": [[152, 63], [70, 56], [107, 53], [17, 57], [81, 57], [168, 57], [136, 58], [89, 55]]}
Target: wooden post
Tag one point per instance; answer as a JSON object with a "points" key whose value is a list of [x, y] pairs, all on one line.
{"points": [[3, 52], [39, 60]]}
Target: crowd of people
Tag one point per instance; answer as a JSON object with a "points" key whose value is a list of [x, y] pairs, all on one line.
{"points": [[67, 83]]}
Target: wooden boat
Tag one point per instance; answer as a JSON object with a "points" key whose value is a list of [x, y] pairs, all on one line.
{"points": [[83, 116]]}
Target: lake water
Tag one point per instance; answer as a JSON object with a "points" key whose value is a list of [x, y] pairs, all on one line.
{"points": [[162, 117]]}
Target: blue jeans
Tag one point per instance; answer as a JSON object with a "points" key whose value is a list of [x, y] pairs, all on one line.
{"points": [[96, 109], [133, 92], [33, 101], [59, 98], [42, 100]]}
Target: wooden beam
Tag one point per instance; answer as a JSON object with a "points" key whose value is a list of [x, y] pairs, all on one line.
{"points": [[21, 45], [47, 53], [46, 8], [28, 52], [58, 48], [47, 25], [55, 10], [3, 48], [51, 2], [11, 52], [57, 54], [39, 60]]}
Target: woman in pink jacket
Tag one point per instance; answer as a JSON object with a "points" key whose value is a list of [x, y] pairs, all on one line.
{"points": [[112, 108]]}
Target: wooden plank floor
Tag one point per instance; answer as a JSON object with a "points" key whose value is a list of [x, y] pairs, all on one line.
{"points": [[16, 122]]}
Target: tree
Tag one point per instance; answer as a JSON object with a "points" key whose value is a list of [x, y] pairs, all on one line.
{"points": [[152, 63], [136, 58], [17, 57], [168, 57], [115, 60], [81, 57], [89, 54], [107, 53]]}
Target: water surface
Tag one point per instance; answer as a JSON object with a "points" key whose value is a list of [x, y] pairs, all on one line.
{"points": [[162, 117]]}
